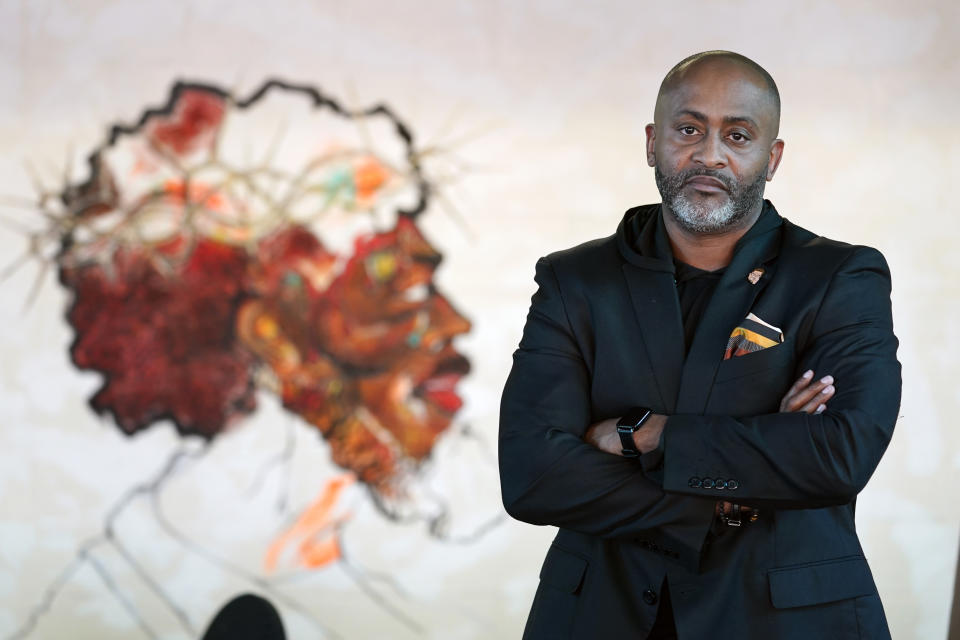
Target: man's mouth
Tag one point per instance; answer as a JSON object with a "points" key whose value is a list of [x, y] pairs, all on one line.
{"points": [[707, 184], [439, 387]]}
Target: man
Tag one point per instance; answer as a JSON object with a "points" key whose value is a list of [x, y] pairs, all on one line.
{"points": [[663, 410]]}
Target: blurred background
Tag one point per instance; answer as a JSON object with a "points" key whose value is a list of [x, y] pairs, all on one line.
{"points": [[510, 130]]}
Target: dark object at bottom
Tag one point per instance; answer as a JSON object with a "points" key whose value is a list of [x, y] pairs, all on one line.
{"points": [[246, 617]]}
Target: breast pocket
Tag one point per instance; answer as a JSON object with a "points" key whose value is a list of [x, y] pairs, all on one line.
{"points": [[757, 362], [753, 384]]}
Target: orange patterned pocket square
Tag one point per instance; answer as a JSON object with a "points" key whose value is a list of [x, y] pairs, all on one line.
{"points": [[753, 334]]}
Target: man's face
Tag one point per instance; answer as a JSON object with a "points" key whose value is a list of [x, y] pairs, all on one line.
{"points": [[713, 146]]}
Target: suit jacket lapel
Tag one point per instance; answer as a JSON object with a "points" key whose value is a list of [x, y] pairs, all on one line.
{"points": [[654, 297], [731, 302]]}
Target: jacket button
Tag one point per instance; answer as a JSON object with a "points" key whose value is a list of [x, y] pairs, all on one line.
{"points": [[650, 596], [708, 483], [720, 483], [732, 484], [694, 482]]}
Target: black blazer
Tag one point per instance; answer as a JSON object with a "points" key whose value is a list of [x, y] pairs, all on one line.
{"points": [[604, 334]]}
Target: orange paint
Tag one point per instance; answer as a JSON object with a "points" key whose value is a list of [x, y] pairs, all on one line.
{"points": [[266, 327], [368, 176], [199, 193], [316, 554], [316, 529]]}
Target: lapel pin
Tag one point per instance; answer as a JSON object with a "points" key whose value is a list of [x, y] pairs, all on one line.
{"points": [[755, 275]]}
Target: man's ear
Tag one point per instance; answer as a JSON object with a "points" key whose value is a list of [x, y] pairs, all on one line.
{"points": [[651, 139], [773, 160]]}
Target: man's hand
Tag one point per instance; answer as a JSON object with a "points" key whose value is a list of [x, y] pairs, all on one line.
{"points": [[807, 396], [603, 435]]}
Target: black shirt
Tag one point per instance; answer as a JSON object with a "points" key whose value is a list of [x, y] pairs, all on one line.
{"points": [[694, 290]]}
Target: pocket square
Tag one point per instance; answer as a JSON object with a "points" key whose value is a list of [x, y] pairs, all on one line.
{"points": [[751, 335]]}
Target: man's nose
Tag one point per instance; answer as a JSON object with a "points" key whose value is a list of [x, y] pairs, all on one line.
{"points": [[710, 152]]}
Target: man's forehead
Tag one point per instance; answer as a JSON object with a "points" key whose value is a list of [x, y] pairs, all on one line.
{"points": [[718, 88], [708, 97]]}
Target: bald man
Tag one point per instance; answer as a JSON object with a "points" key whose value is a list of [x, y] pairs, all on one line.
{"points": [[697, 399]]}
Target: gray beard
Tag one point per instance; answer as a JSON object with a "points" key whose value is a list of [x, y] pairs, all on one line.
{"points": [[700, 217]]}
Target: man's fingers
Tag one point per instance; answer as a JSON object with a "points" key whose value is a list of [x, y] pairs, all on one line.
{"points": [[814, 395], [818, 400], [810, 397], [800, 384]]}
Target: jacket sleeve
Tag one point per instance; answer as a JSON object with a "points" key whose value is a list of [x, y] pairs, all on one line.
{"points": [[548, 474], [798, 460]]}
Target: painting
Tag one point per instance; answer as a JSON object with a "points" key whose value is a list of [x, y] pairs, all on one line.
{"points": [[222, 250]]}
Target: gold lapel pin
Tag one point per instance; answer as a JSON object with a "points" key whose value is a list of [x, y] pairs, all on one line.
{"points": [[755, 275]]}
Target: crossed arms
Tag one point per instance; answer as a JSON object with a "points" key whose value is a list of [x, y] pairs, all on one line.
{"points": [[802, 459]]}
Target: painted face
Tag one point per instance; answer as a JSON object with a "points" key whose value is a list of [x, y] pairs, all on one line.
{"points": [[713, 146], [377, 307], [367, 359], [415, 398]]}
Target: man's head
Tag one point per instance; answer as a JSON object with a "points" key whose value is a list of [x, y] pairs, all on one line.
{"points": [[713, 142]]}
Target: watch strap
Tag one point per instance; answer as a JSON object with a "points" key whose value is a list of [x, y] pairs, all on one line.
{"points": [[628, 425]]}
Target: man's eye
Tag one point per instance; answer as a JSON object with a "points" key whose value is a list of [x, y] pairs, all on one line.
{"points": [[689, 131], [738, 137]]}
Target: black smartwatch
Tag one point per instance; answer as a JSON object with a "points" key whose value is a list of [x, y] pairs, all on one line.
{"points": [[628, 425]]}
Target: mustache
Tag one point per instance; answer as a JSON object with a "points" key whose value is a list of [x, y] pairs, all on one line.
{"points": [[682, 177]]}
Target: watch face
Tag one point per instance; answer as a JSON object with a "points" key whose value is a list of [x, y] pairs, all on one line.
{"points": [[634, 417]]}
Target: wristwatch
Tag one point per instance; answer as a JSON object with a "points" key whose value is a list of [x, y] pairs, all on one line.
{"points": [[631, 421]]}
